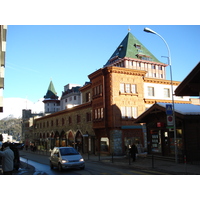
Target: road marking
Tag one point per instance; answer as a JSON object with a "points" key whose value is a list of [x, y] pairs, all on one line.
{"points": [[156, 172], [139, 172]]}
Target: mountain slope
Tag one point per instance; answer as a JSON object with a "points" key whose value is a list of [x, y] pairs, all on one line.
{"points": [[12, 107]]}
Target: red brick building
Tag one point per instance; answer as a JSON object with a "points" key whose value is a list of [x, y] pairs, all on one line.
{"points": [[115, 96]]}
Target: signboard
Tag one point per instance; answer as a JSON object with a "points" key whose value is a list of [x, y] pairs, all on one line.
{"points": [[169, 109], [170, 120]]}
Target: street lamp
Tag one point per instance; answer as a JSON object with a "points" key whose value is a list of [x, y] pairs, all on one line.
{"points": [[148, 30]]}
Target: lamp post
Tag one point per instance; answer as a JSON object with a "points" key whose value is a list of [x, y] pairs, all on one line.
{"points": [[148, 30]]}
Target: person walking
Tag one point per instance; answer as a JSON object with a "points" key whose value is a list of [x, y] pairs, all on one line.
{"points": [[133, 151], [7, 159]]}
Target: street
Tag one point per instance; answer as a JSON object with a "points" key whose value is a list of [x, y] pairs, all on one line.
{"points": [[41, 164]]}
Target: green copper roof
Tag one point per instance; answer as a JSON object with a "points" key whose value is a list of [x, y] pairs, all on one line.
{"points": [[51, 93], [131, 47]]}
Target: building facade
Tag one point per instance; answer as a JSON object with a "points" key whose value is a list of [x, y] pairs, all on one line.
{"points": [[51, 101], [71, 96], [128, 84], [3, 31]]}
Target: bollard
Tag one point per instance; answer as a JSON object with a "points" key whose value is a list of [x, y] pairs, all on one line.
{"points": [[152, 161], [185, 162], [27, 164]]}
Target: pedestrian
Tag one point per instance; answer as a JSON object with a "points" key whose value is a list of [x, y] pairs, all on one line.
{"points": [[133, 152], [7, 159]]}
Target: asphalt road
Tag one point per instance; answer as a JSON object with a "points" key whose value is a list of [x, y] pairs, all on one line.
{"points": [[41, 164]]}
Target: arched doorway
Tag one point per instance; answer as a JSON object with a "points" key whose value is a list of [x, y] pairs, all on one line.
{"points": [[79, 141], [52, 141], [63, 142], [57, 139], [70, 139]]}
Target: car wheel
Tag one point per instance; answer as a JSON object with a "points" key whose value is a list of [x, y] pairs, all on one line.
{"points": [[51, 165], [59, 167]]}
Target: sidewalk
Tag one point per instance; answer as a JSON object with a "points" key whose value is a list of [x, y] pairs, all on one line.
{"points": [[168, 167], [143, 163]]}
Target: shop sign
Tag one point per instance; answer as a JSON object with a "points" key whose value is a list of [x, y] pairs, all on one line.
{"points": [[160, 124]]}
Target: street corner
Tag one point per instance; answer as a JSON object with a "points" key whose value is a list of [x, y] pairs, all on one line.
{"points": [[24, 169]]}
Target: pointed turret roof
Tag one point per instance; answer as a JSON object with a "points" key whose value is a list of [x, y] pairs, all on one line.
{"points": [[51, 93], [131, 47]]}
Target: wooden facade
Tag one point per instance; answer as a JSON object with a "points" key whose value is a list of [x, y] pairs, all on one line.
{"points": [[160, 137]]}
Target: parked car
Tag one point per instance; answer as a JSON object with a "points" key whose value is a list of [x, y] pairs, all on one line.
{"points": [[65, 158]]}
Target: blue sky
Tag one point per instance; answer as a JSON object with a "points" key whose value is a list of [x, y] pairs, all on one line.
{"points": [[69, 53]]}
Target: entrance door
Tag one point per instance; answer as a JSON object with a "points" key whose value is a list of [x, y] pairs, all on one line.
{"points": [[160, 142], [165, 143]]}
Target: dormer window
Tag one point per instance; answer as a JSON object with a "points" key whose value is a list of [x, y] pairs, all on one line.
{"points": [[137, 46], [120, 47]]}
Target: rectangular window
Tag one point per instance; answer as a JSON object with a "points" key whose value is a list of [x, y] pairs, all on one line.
{"points": [[166, 92], [95, 113], [134, 112], [88, 116], [88, 97], [78, 118], [128, 88], [128, 112], [133, 88], [101, 113], [151, 91], [122, 87], [123, 112]]}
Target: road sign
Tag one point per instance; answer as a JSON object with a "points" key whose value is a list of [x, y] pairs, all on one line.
{"points": [[170, 120], [169, 109]]}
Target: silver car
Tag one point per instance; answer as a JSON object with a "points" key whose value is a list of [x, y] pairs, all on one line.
{"points": [[65, 158]]}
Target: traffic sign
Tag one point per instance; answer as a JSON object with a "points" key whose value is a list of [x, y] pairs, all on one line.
{"points": [[170, 121], [169, 109]]}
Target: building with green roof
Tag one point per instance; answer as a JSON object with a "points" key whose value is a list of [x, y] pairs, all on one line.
{"points": [[51, 101], [131, 53]]}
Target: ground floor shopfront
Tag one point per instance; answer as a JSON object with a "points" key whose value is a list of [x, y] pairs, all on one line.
{"points": [[105, 141], [83, 143], [119, 141], [161, 141], [161, 137]]}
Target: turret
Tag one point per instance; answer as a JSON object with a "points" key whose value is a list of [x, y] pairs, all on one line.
{"points": [[51, 101]]}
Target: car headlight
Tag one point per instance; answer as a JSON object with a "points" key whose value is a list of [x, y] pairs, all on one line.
{"points": [[81, 160], [64, 161]]}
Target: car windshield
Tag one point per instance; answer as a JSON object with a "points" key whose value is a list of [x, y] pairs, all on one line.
{"points": [[68, 151]]}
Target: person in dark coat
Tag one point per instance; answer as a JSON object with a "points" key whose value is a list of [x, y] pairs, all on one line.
{"points": [[133, 152], [7, 159]]}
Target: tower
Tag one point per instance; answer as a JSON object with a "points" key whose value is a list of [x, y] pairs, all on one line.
{"points": [[51, 101], [132, 54]]}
